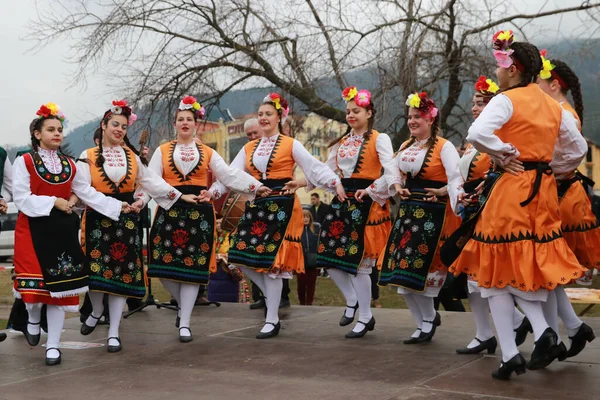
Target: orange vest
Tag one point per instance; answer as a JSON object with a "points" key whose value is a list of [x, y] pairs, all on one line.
{"points": [[100, 180], [197, 176], [534, 125], [433, 169], [368, 166], [281, 164], [479, 166]]}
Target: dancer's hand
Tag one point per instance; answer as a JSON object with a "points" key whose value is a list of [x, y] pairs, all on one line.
{"points": [[264, 191], [3, 206], [514, 167], [341, 192], [204, 197], [190, 198], [125, 207], [137, 206], [73, 200], [466, 199], [62, 205], [404, 194], [432, 194], [360, 194], [291, 187]]}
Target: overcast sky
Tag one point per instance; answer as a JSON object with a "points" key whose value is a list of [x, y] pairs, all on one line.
{"points": [[31, 78]]}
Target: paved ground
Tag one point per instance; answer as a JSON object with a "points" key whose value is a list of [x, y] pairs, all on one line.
{"points": [[309, 360]]}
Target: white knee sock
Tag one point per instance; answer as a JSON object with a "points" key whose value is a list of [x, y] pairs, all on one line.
{"points": [[481, 313], [535, 314], [550, 310], [258, 278], [502, 308], [415, 312], [272, 293], [56, 322], [362, 288], [518, 318], [97, 300], [115, 310], [343, 281], [35, 316], [566, 312], [188, 296], [175, 289], [427, 311]]}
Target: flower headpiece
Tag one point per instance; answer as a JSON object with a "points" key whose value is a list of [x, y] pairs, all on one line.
{"points": [[486, 87], [362, 98], [190, 103], [51, 110], [120, 107], [279, 103], [424, 104], [503, 54], [548, 71]]}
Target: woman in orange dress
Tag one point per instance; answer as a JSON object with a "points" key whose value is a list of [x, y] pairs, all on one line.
{"points": [[579, 224], [517, 251]]}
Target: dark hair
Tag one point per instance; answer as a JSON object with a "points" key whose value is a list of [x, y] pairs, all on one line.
{"points": [[435, 130], [572, 81], [528, 56], [370, 124], [36, 125], [486, 98], [99, 133], [315, 195], [196, 114]]}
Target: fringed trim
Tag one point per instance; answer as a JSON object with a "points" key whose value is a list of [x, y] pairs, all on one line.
{"points": [[69, 293]]}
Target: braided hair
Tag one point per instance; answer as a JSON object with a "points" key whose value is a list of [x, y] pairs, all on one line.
{"points": [[529, 57], [572, 81], [367, 134]]}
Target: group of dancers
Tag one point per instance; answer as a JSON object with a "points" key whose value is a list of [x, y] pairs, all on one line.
{"points": [[512, 214]]}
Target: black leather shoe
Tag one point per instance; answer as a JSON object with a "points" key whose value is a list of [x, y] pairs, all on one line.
{"points": [[177, 321], [522, 331], [284, 303], [438, 319], [426, 337], [578, 341], [489, 345], [273, 333], [562, 355], [2, 336], [258, 305], [53, 361], [545, 351], [412, 340], [113, 349], [185, 339], [33, 340], [516, 364], [346, 320], [86, 329], [369, 326]]}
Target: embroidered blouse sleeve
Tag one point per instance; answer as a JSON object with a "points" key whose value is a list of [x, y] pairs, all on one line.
{"points": [[314, 170], [379, 190], [570, 148], [232, 177], [150, 182], [385, 151], [450, 160], [481, 133], [239, 162], [98, 201], [28, 203], [331, 163], [155, 165], [7, 184]]}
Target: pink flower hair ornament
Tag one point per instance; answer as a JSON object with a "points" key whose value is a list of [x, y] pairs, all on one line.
{"points": [[120, 107], [362, 98], [424, 104], [190, 103], [280, 104]]}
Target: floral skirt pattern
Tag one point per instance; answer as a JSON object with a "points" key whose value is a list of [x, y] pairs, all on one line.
{"points": [[412, 244], [182, 242], [113, 254], [260, 232], [342, 237]]}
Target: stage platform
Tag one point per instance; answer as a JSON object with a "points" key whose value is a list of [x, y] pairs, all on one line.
{"points": [[310, 359]]}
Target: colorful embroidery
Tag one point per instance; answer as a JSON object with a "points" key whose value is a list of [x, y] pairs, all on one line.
{"points": [[44, 173]]}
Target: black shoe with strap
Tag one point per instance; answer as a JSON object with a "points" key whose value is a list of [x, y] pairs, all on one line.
{"points": [[426, 337], [438, 319], [272, 333], [413, 340], [111, 348], [516, 364], [347, 320], [185, 339], [368, 326], [522, 331], [545, 351], [177, 321], [585, 334], [33, 340], [489, 345], [86, 329], [53, 361]]}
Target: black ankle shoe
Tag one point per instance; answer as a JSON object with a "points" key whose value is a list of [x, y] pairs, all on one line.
{"points": [[53, 361], [86, 329], [177, 321], [578, 341], [113, 349], [33, 340], [545, 351], [426, 337], [185, 339], [273, 333], [562, 355], [516, 364], [438, 319], [489, 345], [2, 336], [369, 326], [522, 331], [257, 305], [346, 320], [412, 340]]}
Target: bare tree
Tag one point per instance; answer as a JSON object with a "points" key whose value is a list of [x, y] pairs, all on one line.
{"points": [[158, 50]]}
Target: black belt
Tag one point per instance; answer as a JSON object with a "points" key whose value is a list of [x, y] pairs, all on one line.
{"points": [[354, 184], [564, 185], [190, 189], [417, 187], [275, 184], [540, 168], [470, 186]]}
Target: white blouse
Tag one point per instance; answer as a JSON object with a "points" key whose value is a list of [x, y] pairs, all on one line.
{"points": [[465, 161], [186, 156], [7, 185], [40, 206], [115, 167], [314, 170], [569, 150]]}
